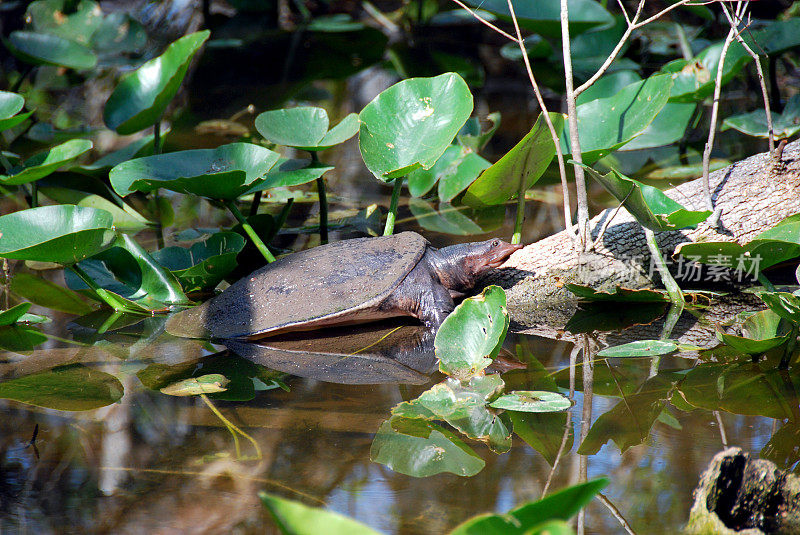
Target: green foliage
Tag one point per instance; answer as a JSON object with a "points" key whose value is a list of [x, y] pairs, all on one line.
{"points": [[62, 234], [544, 16], [305, 127], [56, 389], [205, 264], [142, 96], [619, 295], [45, 163], [532, 401], [294, 518], [49, 49], [640, 348], [760, 333], [392, 125], [754, 123]]}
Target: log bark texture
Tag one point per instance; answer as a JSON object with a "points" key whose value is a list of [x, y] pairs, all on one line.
{"points": [[754, 194]]}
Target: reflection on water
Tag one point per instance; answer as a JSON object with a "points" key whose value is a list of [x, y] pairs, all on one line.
{"points": [[114, 454]]}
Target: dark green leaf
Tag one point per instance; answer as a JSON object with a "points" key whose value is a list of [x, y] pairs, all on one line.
{"points": [[66, 388], [46, 162], [754, 123], [527, 160], [392, 125], [124, 219], [142, 95], [61, 234], [205, 264], [543, 431], [544, 16], [619, 295], [13, 314], [759, 334], [47, 294], [471, 135], [783, 304], [222, 173], [288, 172], [48, 49]]}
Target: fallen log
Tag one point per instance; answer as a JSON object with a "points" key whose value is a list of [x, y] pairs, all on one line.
{"points": [[754, 194]]}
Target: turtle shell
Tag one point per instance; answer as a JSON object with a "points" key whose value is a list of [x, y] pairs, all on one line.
{"points": [[342, 282]]}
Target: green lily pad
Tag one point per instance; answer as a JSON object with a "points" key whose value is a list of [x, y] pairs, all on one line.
{"points": [[640, 348], [419, 448], [471, 135], [62, 234], [305, 127], [754, 123], [222, 173], [138, 148], [619, 295], [211, 383], [608, 85], [49, 16], [783, 304], [299, 519], [142, 95], [10, 104], [45, 163], [48, 294], [695, 79], [127, 270], [14, 314], [125, 219], [668, 127], [66, 388], [649, 205], [456, 169], [291, 172], [759, 334], [48, 49], [205, 264], [527, 161], [532, 401], [470, 337], [606, 124], [11, 122], [544, 16], [561, 505], [392, 125]]}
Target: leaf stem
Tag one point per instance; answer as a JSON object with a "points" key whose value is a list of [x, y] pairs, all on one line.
{"points": [[157, 141], [517, 237], [262, 248], [108, 297], [392, 215], [233, 430], [323, 203], [284, 215], [673, 290], [765, 282]]}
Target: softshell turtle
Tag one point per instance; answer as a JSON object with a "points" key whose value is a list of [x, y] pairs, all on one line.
{"points": [[346, 282]]}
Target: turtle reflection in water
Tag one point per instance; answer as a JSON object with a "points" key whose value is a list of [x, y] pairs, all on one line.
{"points": [[347, 282]]}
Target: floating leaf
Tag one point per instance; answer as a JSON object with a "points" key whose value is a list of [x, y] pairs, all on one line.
{"points": [[67, 388], [298, 519], [470, 337], [649, 205], [62, 234], [754, 123], [606, 124], [222, 173], [211, 383], [640, 348], [45, 163], [532, 401], [561, 505], [49, 49], [783, 304], [619, 295], [759, 334], [305, 127], [47, 294], [420, 448], [527, 160], [411, 124], [291, 172], [143, 95], [205, 264]]}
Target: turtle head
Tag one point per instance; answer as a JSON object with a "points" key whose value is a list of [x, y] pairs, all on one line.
{"points": [[461, 266]]}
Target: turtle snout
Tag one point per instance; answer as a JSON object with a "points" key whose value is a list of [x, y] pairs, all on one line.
{"points": [[501, 252]]}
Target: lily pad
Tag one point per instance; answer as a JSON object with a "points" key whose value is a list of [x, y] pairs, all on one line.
{"points": [[754, 123], [299, 519], [62, 234], [411, 124], [470, 337], [532, 401], [138, 148], [619, 295], [759, 334], [420, 448], [125, 219], [291, 172], [305, 127], [649, 205], [45, 163], [561, 505], [67, 388], [640, 348], [527, 161], [205, 264], [606, 124], [211, 383], [222, 173], [48, 49], [142, 96], [783, 304], [48, 294]]}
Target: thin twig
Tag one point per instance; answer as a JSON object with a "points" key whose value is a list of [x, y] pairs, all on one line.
{"points": [[562, 170], [615, 512], [735, 23], [486, 22]]}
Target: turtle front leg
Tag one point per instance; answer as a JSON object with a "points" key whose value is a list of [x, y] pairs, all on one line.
{"points": [[421, 295], [435, 305]]}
